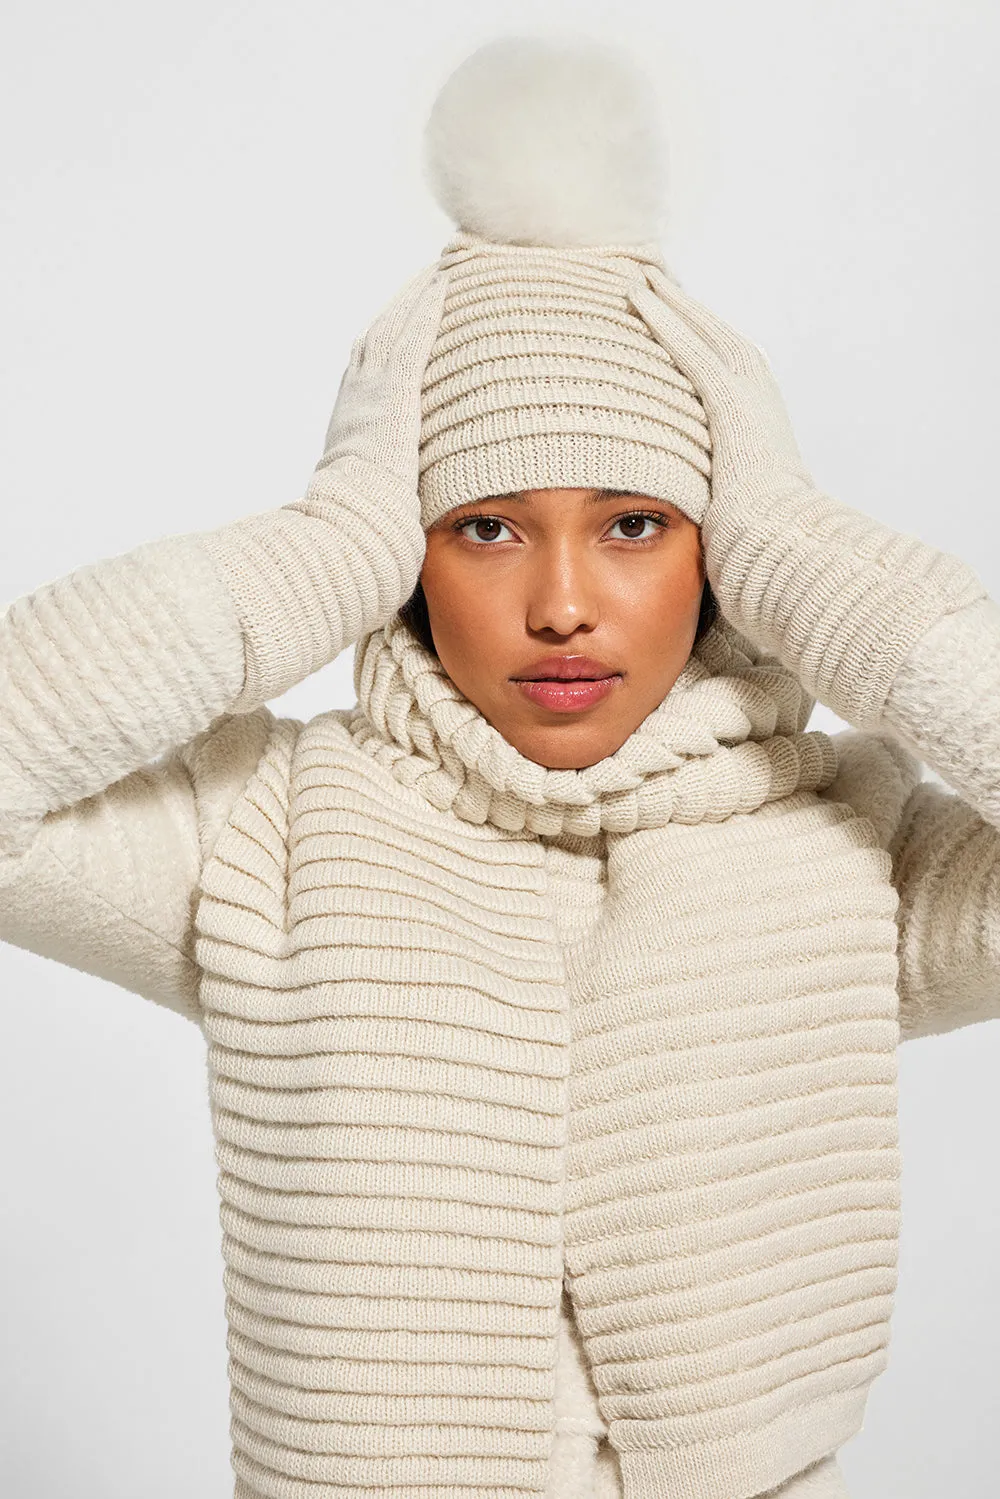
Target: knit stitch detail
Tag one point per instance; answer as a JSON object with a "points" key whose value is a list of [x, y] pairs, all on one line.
{"points": [[105, 669], [841, 597], [310, 577], [428, 1112], [542, 376], [945, 703], [729, 736]]}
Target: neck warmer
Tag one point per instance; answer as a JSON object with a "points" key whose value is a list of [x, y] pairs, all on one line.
{"points": [[729, 736]]}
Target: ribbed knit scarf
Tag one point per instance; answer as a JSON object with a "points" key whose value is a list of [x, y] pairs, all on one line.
{"points": [[434, 1111], [728, 737], [725, 1200]]}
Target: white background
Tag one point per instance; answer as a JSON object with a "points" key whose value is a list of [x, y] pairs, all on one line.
{"points": [[203, 203]]}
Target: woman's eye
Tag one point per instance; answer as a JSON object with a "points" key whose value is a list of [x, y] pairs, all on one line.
{"points": [[483, 528], [638, 526], [632, 526]]}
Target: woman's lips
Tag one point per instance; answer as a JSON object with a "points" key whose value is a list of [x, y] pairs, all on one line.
{"points": [[568, 696]]}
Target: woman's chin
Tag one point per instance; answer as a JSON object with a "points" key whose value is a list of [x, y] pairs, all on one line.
{"points": [[566, 745]]}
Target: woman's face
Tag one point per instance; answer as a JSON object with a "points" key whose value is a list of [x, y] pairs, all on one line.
{"points": [[603, 585]]}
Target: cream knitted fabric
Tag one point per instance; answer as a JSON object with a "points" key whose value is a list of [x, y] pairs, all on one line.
{"points": [[583, 1464], [542, 376], [728, 737], [427, 1113], [350, 949], [547, 157], [782, 555], [433, 1110]]}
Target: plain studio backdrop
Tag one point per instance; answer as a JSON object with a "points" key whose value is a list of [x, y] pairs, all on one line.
{"points": [[204, 203]]}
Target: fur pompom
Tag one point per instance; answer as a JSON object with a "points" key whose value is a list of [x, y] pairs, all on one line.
{"points": [[535, 142]]}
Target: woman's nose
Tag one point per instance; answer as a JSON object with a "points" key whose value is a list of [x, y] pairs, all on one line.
{"points": [[563, 594]]}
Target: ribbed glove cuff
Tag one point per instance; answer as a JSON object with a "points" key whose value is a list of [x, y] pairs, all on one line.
{"points": [[310, 578], [839, 598]]}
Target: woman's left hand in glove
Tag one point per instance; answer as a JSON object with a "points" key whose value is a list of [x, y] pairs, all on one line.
{"points": [[838, 597]]}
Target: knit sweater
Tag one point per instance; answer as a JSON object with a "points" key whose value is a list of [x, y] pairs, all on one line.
{"points": [[140, 768]]}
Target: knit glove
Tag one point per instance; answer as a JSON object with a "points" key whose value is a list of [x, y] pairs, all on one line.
{"points": [[375, 422], [310, 578], [837, 597]]}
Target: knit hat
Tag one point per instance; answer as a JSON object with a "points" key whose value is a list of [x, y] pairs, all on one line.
{"points": [[547, 157]]}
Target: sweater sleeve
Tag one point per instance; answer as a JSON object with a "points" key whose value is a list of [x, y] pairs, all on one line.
{"points": [[944, 706], [132, 699], [108, 884]]}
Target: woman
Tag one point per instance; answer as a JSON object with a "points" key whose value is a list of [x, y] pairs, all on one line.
{"points": [[552, 992]]}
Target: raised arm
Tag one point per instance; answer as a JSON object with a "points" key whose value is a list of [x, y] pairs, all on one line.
{"points": [[899, 638], [132, 691]]}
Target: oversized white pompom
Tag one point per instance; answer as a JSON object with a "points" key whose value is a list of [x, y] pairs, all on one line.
{"points": [[543, 142]]}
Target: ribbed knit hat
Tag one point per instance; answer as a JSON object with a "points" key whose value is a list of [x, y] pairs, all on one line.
{"points": [[547, 157]]}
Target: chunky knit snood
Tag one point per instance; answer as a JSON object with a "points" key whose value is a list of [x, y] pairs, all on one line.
{"points": [[729, 736]]}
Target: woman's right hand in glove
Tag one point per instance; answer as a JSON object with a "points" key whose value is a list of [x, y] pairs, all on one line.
{"points": [[130, 658], [376, 416], [310, 578]]}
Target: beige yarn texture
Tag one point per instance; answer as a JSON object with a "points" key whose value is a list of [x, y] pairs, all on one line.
{"points": [[729, 736], [430, 1102], [543, 377]]}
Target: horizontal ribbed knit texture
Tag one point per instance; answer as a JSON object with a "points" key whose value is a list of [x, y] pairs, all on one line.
{"points": [[392, 1032], [733, 1191], [841, 598], [727, 1112], [583, 1460], [410, 1083], [408, 1025], [310, 577], [387, 1034], [541, 376]]}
